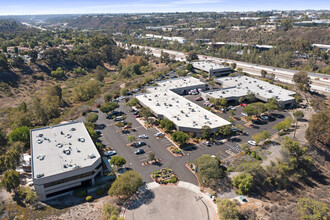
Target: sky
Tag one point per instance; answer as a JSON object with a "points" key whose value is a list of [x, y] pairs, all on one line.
{"points": [[28, 7]]}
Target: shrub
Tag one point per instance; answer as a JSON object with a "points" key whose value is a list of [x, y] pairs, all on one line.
{"points": [[80, 192], [89, 198]]}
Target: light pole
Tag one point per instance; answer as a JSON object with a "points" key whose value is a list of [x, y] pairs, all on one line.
{"points": [[189, 157]]}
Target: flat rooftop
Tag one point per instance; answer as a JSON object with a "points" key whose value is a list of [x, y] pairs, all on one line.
{"points": [[181, 111], [207, 66], [177, 83], [242, 85], [184, 113], [61, 148]]}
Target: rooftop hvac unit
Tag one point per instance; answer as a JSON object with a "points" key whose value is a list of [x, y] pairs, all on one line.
{"points": [[41, 157], [91, 156], [40, 135], [81, 139], [59, 145], [39, 141], [39, 175]]}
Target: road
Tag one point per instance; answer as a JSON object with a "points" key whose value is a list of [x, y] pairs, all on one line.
{"points": [[285, 75]]}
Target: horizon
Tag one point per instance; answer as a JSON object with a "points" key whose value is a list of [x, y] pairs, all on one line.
{"points": [[62, 7]]}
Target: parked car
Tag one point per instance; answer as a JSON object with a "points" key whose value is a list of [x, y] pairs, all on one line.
{"points": [[231, 107], [135, 113], [110, 153], [264, 117], [127, 126], [118, 118], [206, 143], [139, 151], [199, 99], [141, 143], [234, 130], [99, 133], [253, 143], [243, 105], [160, 134], [143, 136], [94, 110], [138, 116], [243, 113]]}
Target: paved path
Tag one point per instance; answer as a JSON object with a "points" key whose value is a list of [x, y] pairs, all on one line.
{"points": [[184, 201]]}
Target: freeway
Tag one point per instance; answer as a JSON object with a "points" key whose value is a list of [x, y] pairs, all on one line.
{"points": [[320, 82]]}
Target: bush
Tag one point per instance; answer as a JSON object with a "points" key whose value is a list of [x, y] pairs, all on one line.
{"points": [[243, 182], [80, 192], [89, 198], [92, 117]]}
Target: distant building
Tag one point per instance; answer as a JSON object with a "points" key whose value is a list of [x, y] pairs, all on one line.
{"points": [[178, 39], [212, 69], [63, 157], [241, 86], [322, 46]]}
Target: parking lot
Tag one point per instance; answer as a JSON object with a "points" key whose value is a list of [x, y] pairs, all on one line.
{"points": [[114, 137]]}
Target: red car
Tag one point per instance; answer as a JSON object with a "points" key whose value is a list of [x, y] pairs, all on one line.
{"points": [[243, 104], [199, 99], [325, 78], [138, 116]]}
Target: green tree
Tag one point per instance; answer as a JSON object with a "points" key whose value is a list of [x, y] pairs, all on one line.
{"points": [[225, 130], [100, 73], [92, 117], [151, 156], [205, 131], [86, 91], [233, 66], [167, 124], [126, 184], [145, 112], [243, 182], [319, 129], [50, 106], [180, 137], [91, 132], [130, 138], [298, 115], [38, 112], [118, 161], [311, 209], [287, 23], [263, 73], [10, 180], [107, 97], [109, 107], [79, 71], [227, 210], [55, 91], [192, 56], [21, 134], [302, 80], [208, 169], [284, 125], [189, 67], [132, 102], [3, 138], [261, 136], [58, 73], [298, 98]]}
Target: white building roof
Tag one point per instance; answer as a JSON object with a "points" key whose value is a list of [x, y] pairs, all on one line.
{"points": [[241, 85], [61, 148], [207, 66], [182, 112]]}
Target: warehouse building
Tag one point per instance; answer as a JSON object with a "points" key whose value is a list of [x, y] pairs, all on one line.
{"points": [[64, 157], [212, 69], [241, 86], [164, 102]]}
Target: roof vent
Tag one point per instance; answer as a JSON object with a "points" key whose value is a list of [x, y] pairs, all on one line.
{"points": [[40, 135], [62, 133], [81, 140], [41, 157], [39, 141], [59, 145], [72, 129]]}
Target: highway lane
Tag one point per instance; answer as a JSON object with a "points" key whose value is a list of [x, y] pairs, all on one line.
{"points": [[285, 75]]}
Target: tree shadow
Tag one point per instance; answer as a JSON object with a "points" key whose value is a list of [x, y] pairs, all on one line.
{"points": [[144, 197], [9, 77], [189, 147]]}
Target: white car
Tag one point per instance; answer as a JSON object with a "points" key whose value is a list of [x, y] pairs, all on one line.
{"points": [[253, 143], [143, 136], [110, 153], [160, 134], [264, 117], [243, 113]]}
